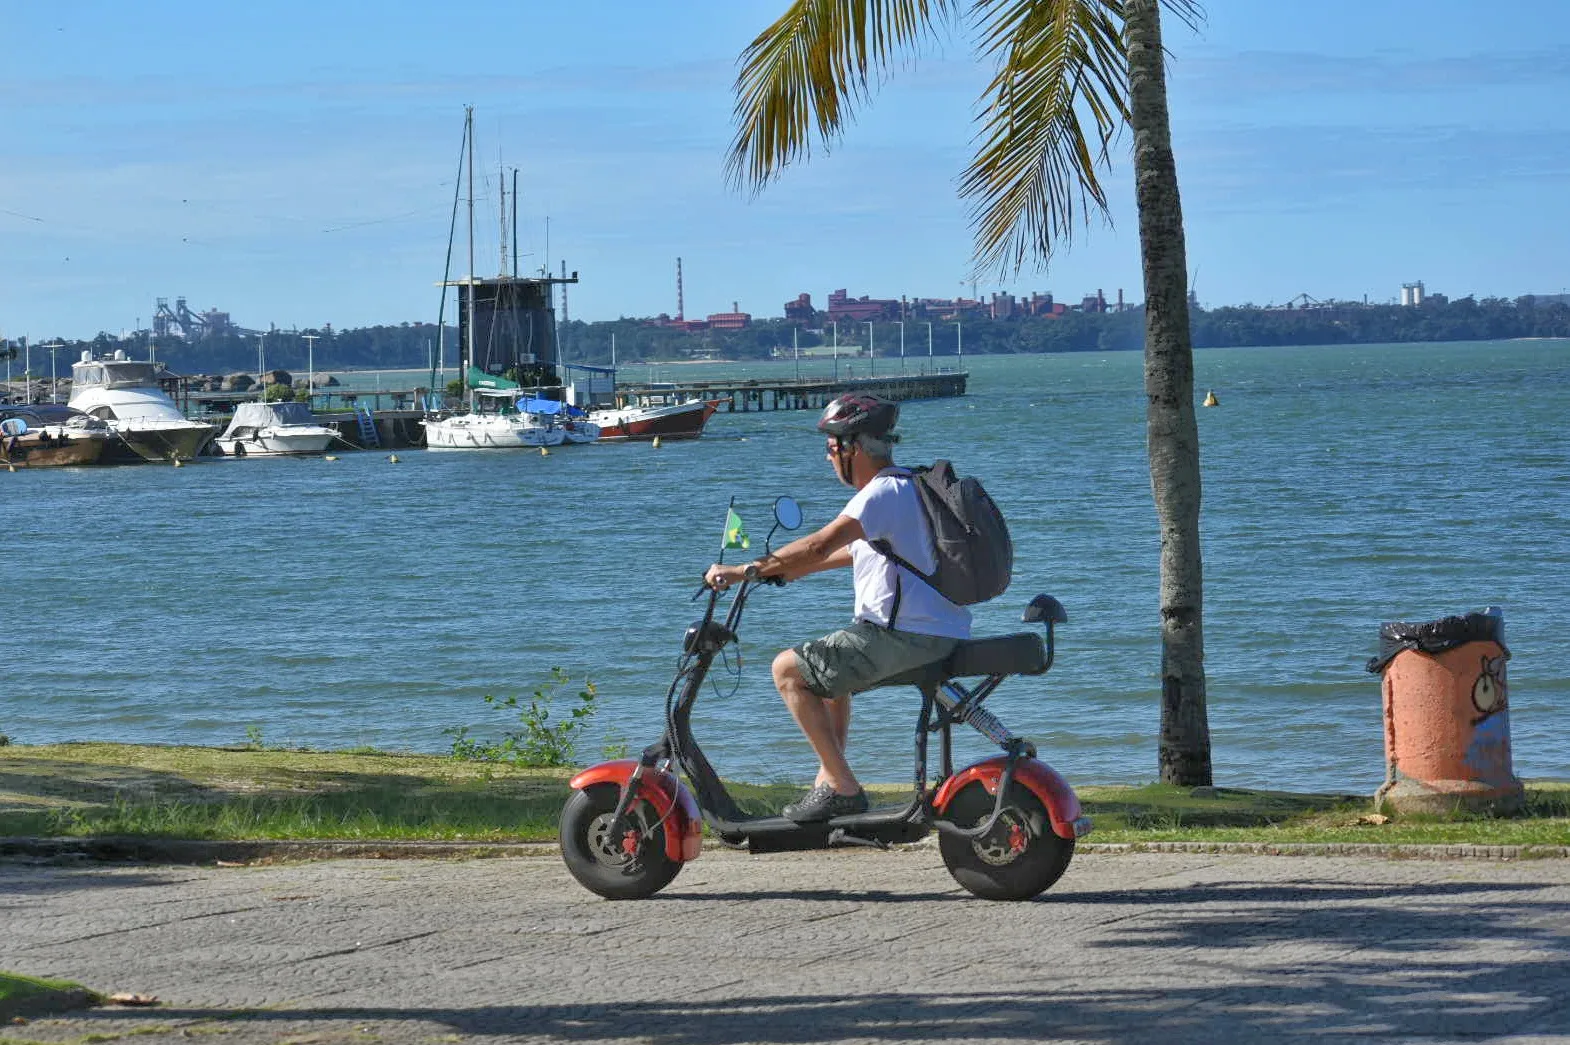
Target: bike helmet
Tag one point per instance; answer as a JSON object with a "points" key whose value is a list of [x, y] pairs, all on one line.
{"points": [[852, 415]]}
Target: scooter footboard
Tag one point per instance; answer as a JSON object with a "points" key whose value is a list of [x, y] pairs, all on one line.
{"points": [[669, 796], [1040, 779]]}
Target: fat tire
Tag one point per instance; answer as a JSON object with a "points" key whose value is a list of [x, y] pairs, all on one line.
{"points": [[588, 861], [1028, 874]]}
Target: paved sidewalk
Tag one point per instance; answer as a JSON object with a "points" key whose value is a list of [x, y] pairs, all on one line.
{"points": [[804, 948]]}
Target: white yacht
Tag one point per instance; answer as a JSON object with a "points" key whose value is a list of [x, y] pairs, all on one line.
{"points": [[270, 429], [493, 423], [126, 394]]}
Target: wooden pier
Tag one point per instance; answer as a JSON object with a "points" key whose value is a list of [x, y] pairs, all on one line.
{"points": [[396, 417], [811, 393]]}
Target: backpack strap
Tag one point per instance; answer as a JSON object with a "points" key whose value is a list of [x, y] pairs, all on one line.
{"points": [[885, 549]]}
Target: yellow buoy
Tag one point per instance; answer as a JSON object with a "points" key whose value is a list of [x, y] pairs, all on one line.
{"points": [[656, 443], [1211, 400], [392, 458], [330, 457], [544, 452], [179, 463]]}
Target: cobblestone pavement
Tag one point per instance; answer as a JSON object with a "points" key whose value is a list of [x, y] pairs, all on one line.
{"points": [[803, 948]]}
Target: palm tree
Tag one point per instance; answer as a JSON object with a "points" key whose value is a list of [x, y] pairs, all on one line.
{"points": [[1069, 76]]}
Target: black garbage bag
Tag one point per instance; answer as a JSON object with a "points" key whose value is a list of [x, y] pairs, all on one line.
{"points": [[1437, 636]]}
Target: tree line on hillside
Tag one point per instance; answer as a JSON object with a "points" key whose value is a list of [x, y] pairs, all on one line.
{"points": [[414, 345]]}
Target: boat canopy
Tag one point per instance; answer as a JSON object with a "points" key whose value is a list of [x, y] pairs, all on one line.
{"points": [[478, 378], [540, 406], [261, 415]]}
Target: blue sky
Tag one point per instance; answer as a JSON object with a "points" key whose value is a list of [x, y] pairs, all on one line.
{"points": [[293, 163]]}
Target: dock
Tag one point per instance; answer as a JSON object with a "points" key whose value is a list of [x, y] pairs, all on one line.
{"points": [[812, 393], [395, 417]]}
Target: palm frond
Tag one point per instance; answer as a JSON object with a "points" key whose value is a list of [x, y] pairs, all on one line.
{"points": [[1061, 65], [804, 75]]}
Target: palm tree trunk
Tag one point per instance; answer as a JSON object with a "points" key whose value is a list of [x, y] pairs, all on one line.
{"points": [[1172, 435]]}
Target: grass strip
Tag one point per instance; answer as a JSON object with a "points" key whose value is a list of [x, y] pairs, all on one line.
{"points": [[241, 794], [25, 997]]}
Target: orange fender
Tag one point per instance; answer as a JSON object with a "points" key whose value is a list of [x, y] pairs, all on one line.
{"points": [[669, 797], [1041, 779]]}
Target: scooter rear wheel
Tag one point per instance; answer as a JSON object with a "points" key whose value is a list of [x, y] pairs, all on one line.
{"points": [[1019, 858], [600, 861]]}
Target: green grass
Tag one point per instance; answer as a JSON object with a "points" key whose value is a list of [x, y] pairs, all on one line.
{"points": [[253, 793], [217, 793], [27, 995], [1157, 813]]}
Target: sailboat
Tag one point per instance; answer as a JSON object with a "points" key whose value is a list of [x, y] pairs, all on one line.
{"points": [[507, 347]]}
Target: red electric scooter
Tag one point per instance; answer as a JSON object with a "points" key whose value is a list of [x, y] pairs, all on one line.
{"points": [[1007, 824]]}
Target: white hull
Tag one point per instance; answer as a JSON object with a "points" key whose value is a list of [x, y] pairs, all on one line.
{"points": [[308, 440], [481, 432], [582, 431]]}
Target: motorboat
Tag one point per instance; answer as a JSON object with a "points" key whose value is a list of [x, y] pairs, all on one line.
{"points": [[553, 413], [44, 435], [581, 430], [494, 422], [128, 395], [654, 415], [271, 429]]}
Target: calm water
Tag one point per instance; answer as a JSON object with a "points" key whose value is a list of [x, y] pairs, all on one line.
{"points": [[363, 602]]}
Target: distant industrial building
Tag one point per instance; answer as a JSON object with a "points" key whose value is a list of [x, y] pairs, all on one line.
{"points": [[735, 319], [181, 322], [1414, 295], [845, 309], [842, 308]]}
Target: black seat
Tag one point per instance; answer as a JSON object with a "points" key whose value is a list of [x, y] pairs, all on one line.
{"points": [[1023, 653]]}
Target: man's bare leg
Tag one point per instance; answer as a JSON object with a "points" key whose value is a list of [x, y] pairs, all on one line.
{"points": [[821, 721], [839, 718]]}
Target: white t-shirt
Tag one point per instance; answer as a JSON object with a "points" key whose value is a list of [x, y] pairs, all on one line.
{"points": [[889, 509]]}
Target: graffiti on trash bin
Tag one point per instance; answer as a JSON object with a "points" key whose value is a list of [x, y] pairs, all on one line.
{"points": [[1489, 691]]}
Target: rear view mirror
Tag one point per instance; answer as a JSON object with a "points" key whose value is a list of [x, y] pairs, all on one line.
{"points": [[787, 512]]}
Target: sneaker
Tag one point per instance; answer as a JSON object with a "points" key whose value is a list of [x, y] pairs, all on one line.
{"points": [[824, 803]]}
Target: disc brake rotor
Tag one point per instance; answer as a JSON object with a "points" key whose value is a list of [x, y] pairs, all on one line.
{"points": [[1007, 840], [616, 849]]}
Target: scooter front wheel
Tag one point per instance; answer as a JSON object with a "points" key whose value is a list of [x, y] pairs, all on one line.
{"points": [[1019, 858], [629, 864]]}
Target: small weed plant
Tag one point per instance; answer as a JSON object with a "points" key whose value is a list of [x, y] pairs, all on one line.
{"points": [[547, 736]]}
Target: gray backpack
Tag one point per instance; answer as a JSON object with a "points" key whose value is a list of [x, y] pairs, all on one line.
{"points": [[971, 541]]}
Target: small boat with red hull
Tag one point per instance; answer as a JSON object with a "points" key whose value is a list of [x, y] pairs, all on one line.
{"points": [[650, 418]]}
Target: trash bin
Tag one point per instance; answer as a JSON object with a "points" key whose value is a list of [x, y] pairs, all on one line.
{"points": [[1447, 716]]}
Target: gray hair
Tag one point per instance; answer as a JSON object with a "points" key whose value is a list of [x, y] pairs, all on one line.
{"points": [[881, 447]]}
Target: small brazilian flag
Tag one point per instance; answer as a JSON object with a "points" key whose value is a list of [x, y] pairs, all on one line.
{"points": [[735, 532]]}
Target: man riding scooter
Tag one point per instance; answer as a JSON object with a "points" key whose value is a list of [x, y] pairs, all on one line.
{"points": [[901, 622]]}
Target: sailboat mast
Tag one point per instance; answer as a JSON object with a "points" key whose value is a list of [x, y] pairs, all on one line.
{"points": [[515, 223], [463, 371], [501, 181], [452, 232]]}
